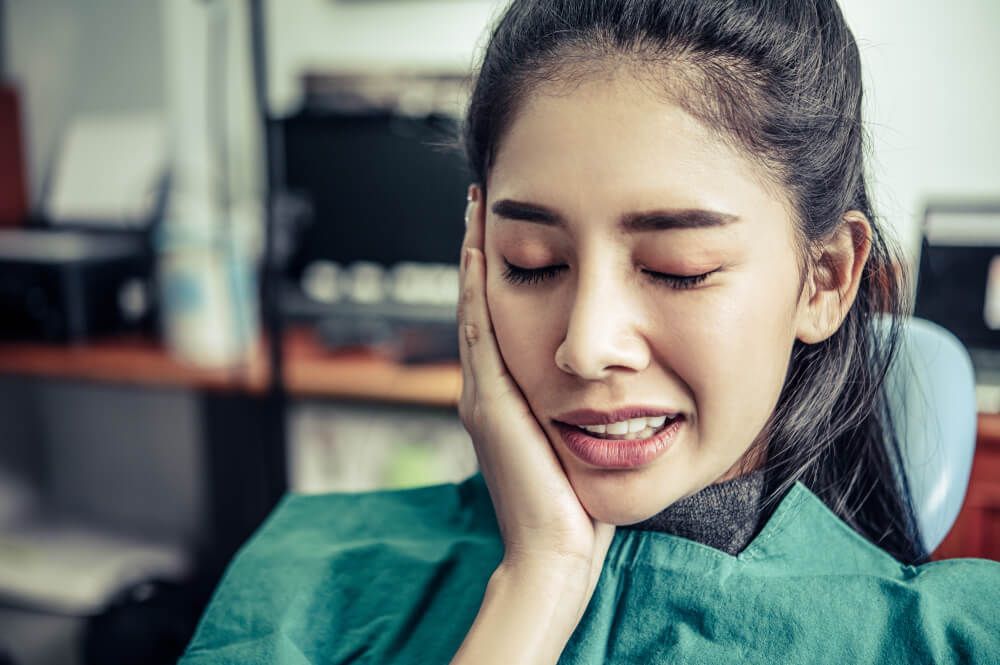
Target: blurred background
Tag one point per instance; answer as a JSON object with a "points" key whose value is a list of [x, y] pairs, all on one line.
{"points": [[229, 233]]}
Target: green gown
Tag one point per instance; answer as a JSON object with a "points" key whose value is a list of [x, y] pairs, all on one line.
{"points": [[397, 577]]}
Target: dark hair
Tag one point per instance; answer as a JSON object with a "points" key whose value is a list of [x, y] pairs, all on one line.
{"points": [[781, 80]]}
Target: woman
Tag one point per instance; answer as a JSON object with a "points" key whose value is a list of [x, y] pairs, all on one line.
{"points": [[670, 376]]}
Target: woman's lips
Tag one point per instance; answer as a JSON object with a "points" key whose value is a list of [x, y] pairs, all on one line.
{"points": [[619, 453]]}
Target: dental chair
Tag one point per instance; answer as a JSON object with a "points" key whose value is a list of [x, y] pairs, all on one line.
{"points": [[932, 397]]}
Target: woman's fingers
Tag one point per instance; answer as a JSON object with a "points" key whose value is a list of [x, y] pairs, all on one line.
{"points": [[489, 374], [468, 384], [482, 365]]}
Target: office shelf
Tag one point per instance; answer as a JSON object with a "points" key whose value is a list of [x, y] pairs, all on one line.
{"points": [[310, 370]]}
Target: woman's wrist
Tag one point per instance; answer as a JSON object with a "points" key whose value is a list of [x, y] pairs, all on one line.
{"points": [[558, 578], [529, 611]]}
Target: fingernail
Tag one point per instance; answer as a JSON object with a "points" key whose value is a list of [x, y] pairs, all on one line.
{"points": [[468, 212]]}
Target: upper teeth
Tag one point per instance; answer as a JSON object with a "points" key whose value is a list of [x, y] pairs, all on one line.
{"points": [[627, 426]]}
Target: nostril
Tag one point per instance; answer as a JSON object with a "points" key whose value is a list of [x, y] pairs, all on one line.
{"points": [[564, 366], [599, 362], [565, 363]]}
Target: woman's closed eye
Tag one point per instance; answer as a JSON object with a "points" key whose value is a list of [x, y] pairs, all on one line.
{"points": [[518, 276]]}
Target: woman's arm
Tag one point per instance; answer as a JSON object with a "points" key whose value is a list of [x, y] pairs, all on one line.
{"points": [[527, 615], [553, 549]]}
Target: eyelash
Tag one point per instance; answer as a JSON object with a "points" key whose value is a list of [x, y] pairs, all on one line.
{"points": [[516, 275]]}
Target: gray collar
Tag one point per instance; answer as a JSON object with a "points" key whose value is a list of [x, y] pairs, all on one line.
{"points": [[724, 516]]}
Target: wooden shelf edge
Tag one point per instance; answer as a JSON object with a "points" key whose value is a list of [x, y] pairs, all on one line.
{"points": [[310, 370]]}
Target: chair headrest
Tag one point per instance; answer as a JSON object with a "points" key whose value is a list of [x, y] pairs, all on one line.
{"points": [[931, 390]]}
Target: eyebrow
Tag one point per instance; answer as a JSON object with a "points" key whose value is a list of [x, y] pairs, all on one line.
{"points": [[651, 220]]}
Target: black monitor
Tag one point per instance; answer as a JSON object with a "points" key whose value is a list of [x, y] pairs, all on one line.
{"points": [[383, 187], [958, 285]]}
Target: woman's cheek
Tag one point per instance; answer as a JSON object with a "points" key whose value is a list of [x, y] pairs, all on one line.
{"points": [[703, 339], [742, 347], [513, 321]]}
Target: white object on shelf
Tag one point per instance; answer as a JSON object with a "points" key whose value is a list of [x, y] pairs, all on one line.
{"points": [[207, 290], [108, 170], [75, 569]]}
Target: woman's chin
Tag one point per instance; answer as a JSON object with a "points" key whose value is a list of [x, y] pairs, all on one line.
{"points": [[621, 507], [621, 515], [617, 516]]}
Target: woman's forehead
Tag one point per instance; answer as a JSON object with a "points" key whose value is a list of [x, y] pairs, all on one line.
{"points": [[615, 143]]}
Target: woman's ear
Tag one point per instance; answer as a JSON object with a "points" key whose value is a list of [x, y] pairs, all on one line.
{"points": [[834, 275]]}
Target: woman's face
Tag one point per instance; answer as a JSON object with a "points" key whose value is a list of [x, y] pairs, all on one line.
{"points": [[607, 185]]}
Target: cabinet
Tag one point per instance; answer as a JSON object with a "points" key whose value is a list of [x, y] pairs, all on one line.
{"points": [[976, 532]]}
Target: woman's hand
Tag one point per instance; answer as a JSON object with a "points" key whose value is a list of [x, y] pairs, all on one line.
{"points": [[552, 547]]}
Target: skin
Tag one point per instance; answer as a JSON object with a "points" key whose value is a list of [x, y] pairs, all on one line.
{"points": [[602, 333]]}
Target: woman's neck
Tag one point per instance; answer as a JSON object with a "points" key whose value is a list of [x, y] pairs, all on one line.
{"points": [[724, 515]]}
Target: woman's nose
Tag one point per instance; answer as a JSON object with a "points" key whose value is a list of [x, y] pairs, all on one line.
{"points": [[602, 334]]}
